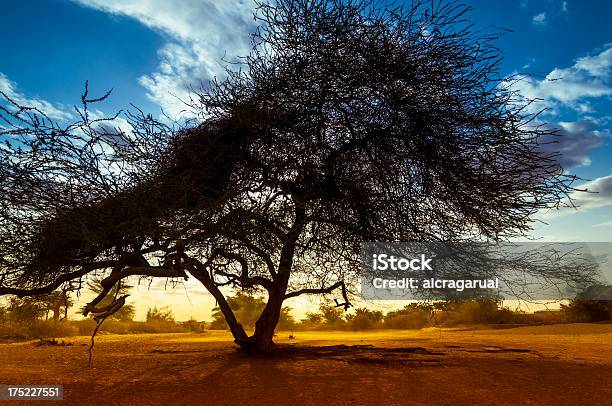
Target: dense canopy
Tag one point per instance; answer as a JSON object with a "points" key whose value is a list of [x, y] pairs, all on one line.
{"points": [[348, 122]]}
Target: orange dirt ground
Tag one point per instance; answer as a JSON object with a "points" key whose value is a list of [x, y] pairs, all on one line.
{"points": [[544, 365]]}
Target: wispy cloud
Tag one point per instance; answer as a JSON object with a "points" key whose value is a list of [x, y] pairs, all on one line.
{"points": [[529, 63], [201, 34], [539, 20], [589, 77], [564, 7], [52, 110]]}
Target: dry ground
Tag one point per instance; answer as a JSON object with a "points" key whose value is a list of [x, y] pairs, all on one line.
{"points": [[562, 364]]}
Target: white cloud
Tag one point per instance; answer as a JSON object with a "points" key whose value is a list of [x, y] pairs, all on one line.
{"points": [[599, 65], [598, 193], [564, 7], [201, 34], [590, 195], [577, 88], [9, 88], [539, 20], [605, 224], [530, 62], [589, 77], [207, 20]]}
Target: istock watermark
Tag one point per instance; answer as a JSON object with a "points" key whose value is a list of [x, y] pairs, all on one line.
{"points": [[382, 262], [457, 284], [523, 270]]}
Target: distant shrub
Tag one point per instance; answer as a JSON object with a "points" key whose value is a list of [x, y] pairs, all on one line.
{"points": [[86, 327], [312, 321], [587, 311], [51, 328], [475, 312], [364, 319], [548, 316], [36, 329], [410, 317], [28, 309], [329, 317], [194, 326], [286, 321], [162, 314]]}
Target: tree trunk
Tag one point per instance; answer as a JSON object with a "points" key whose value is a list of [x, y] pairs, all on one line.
{"points": [[262, 340], [56, 312], [235, 327]]}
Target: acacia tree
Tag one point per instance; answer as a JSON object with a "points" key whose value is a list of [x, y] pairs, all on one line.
{"points": [[349, 121]]}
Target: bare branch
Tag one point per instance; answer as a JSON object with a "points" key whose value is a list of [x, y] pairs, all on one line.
{"points": [[340, 284]]}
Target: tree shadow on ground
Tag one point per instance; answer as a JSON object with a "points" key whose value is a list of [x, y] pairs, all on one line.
{"points": [[364, 354]]}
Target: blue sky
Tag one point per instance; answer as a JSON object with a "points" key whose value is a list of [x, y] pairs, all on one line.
{"points": [[149, 51]]}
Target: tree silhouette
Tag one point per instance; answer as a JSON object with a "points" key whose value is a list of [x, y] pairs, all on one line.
{"points": [[163, 314], [349, 121], [57, 303]]}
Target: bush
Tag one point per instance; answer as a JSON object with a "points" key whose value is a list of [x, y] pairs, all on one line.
{"points": [[329, 317], [286, 321], [587, 311], [163, 314], [194, 326], [313, 321], [364, 319], [474, 312], [36, 329], [87, 326], [412, 316], [50, 328]]}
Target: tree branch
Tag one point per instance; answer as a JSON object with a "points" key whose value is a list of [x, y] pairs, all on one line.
{"points": [[200, 272], [117, 275], [328, 289], [58, 282], [244, 278]]}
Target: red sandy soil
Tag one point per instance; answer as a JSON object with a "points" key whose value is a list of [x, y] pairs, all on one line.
{"points": [[546, 365]]}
